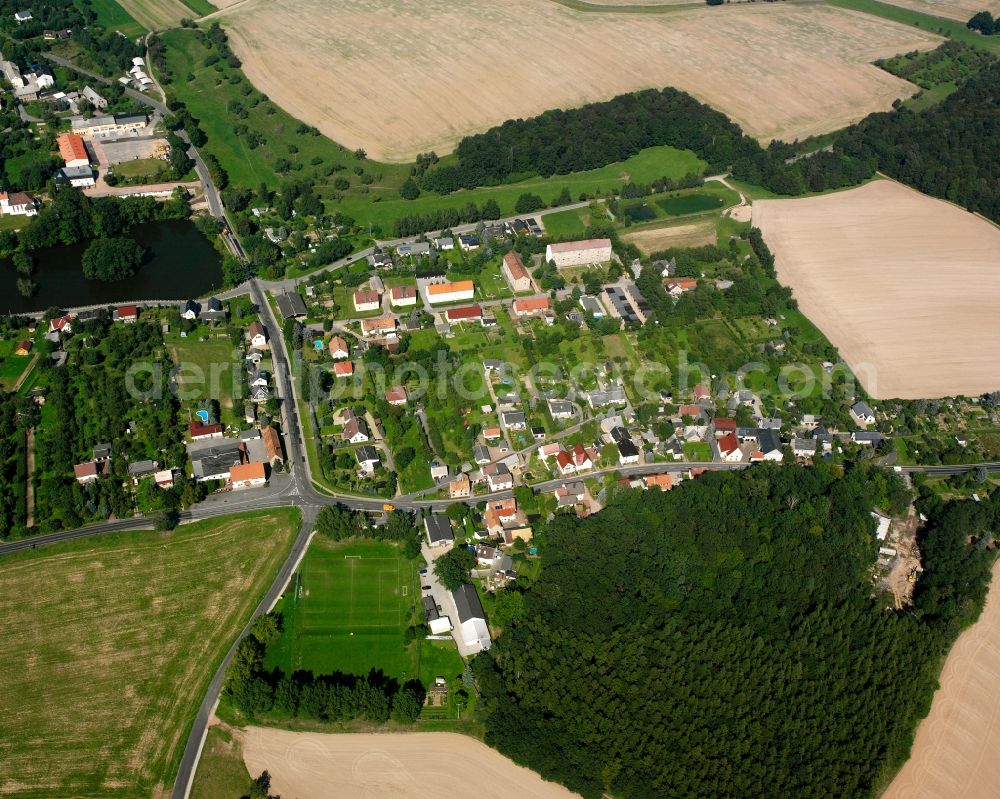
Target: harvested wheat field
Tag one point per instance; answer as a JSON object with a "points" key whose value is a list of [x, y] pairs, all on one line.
{"points": [[902, 284], [109, 645], [693, 234], [954, 755], [415, 765], [157, 14], [400, 77], [959, 10]]}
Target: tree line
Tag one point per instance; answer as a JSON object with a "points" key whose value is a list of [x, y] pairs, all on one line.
{"points": [[561, 142], [722, 640], [949, 150]]}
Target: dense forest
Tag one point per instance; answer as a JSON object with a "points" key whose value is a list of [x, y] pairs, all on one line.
{"points": [[721, 640], [17, 415], [949, 150], [560, 142]]}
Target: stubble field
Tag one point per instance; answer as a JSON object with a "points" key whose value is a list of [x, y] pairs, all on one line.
{"points": [[158, 14], [959, 10], [400, 77], [902, 284], [109, 644], [399, 765], [955, 751]]}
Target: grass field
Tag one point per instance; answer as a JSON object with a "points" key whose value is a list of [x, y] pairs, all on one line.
{"points": [[352, 605], [347, 66], [142, 167], [221, 771], [114, 17], [208, 369], [109, 644], [159, 14], [566, 224]]}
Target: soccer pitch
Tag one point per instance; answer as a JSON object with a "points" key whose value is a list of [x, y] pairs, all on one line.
{"points": [[348, 611]]}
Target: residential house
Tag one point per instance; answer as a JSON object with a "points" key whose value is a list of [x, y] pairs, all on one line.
{"points": [[72, 150], [214, 463], [368, 458], [272, 445], [513, 420], [378, 326], [366, 300], [214, 311], [664, 481], [199, 431], [356, 430], [514, 273], [437, 528], [592, 306], [532, 305], [677, 287], [396, 396], [127, 314], [101, 453], [867, 439], [472, 629], [803, 447], [414, 249], [191, 310], [24, 347], [729, 448], [403, 296], [569, 494], [139, 469], [338, 348], [248, 475], [579, 253], [444, 243], [602, 398], [87, 472], [95, 99], [79, 177], [20, 17], [380, 260], [444, 292], [498, 477], [701, 393], [439, 471], [480, 454], [560, 410], [492, 433], [343, 369], [862, 414], [723, 426], [769, 445], [467, 313], [628, 453], [468, 242], [18, 203], [460, 487], [164, 478]]}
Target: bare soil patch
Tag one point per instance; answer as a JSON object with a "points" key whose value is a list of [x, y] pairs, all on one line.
{"points": [[417, 765], [955, 752], [155, 14], [399, 77], [902, 284]]}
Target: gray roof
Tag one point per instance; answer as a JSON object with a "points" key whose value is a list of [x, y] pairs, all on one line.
{"points": [[216, 460], [513, 418], [480, 454], [140, 468], [804, 444], [559, 407], [430, 608], [862, 409], [438, 528], [611, 396], [291, 304], [863, 435], [768, 441], [367, 453], [72, 172], [467, 603]]}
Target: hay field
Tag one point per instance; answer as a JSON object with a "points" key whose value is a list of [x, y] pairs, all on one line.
{"points": [[691, 234], [157, 14], [399, 77], [109, 645], [903, 284], [416, 765], [959, 10], [954, 755]]}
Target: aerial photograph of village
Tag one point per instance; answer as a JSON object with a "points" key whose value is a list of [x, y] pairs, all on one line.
{"points": [[521, 400]]}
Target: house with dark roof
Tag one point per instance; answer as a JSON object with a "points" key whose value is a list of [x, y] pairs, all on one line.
{"points": [[437, 528], [214, 310], [472, 629], [368, 458], [291, 304]]}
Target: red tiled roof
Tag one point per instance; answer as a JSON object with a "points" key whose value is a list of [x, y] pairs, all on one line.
{"points": [[515, 266], [465, 312], [728, 443]]}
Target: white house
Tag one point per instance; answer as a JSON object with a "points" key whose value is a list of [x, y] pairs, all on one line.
{"points": [[579, 253], [22, 16], [444, 243], [514, 273], [440, 293], [403, 296], [437, 528], [366, 300], [498, 477], [248, 475], [472, 629], [729, 449], [18, 203], [862, 414]]}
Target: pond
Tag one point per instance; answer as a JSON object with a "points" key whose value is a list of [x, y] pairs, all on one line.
{"points": [[639, 212], [690, 203], [180, 263]]}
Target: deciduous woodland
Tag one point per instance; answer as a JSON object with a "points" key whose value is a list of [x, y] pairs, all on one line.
{"points": [[722, 640]]}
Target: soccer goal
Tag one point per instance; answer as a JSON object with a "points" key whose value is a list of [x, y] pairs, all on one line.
{"points": [[352, 557], [406, 590]]}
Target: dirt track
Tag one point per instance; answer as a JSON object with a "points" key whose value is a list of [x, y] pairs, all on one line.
{"points": [[955, 755], [420, 765], [399, 77], [902, 284]]}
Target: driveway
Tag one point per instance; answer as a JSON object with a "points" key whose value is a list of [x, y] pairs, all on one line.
{"points": [[443, 598]]}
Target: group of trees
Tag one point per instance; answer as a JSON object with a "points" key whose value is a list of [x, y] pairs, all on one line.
{"points": [[17, 415], [722, 641], [111, 259], [561, 142], [948, 150], [335, 697], [443, 218], [985, 23], [339, 523]]}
